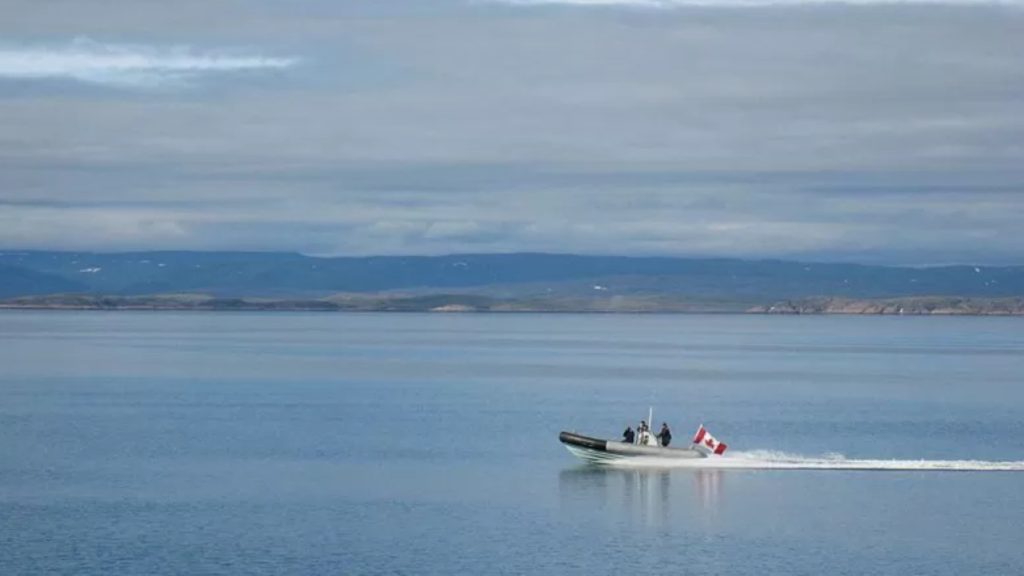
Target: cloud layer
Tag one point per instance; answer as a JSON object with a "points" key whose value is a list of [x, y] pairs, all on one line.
{"points": [[126, 65], [752, 3], [890, 134]]}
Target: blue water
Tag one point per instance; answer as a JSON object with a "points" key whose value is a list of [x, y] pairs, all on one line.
{"points": [[202, 443]]}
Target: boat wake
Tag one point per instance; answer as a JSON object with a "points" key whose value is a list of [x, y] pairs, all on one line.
{"points": [[773, 460]]}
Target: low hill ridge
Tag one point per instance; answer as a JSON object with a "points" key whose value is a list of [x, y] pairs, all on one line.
{"points": [[547, 280]]}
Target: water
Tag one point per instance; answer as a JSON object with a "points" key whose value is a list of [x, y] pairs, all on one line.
{"points": [[195, 443]]}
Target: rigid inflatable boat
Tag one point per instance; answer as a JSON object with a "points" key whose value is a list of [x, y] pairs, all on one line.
{"points": [[601, 451]]}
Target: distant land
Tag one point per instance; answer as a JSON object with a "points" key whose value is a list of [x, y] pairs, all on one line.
{"points": [[524, 282]]}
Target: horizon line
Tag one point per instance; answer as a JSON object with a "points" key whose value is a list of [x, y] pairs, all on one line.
{"points": [[792, 260]]}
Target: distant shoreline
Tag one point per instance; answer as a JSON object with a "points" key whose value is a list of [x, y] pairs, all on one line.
{"points": [[470, 304]]}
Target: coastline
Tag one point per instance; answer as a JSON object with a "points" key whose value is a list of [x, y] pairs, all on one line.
{"points": [[471, 304]]}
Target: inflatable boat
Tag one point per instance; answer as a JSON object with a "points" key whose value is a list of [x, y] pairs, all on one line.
{"points": [[602, 451]]}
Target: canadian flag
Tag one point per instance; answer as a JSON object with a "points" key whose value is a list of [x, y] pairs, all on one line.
{"points": [[707, 442]]}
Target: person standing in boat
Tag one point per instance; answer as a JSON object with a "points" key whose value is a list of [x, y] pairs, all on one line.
{"points": [[643, 433], [665, 436], [628, 436]]}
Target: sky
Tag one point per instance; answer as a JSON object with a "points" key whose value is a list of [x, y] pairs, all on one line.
{"points": [[873, 131]]}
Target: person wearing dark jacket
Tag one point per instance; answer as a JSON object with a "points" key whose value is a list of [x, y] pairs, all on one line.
{"points": [[628, 436], [665, 435]]}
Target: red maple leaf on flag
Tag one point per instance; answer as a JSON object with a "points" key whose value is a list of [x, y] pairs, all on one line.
{"points": [[709, 443]]}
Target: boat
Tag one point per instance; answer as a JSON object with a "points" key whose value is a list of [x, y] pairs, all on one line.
{"points": [[603, 451], [600, 451]]}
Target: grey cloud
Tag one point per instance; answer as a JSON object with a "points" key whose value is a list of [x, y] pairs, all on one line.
{"points": [[743, 3], [892, 133]]}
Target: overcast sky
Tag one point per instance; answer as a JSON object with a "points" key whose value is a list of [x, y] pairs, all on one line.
{"points": [[886, 132]]}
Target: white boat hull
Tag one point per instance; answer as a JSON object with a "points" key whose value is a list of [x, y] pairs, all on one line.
{"points": [[598, 451]]}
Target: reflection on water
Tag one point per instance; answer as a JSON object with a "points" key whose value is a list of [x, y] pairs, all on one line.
{"points": [[646, 497], [707, 486]]}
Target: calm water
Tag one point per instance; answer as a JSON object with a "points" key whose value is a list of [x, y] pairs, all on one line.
{"points": [[160, 443]]}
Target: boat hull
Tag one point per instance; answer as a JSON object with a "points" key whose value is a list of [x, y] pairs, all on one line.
{"points": [[599, 451]]}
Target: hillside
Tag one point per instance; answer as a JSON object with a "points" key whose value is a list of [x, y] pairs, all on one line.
{"points": [[911, 306], [20, 281], [729, 283]]}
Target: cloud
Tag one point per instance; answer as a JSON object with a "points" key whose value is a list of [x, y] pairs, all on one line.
{"points": [[748, 3], [127, 66], [891, 133]]}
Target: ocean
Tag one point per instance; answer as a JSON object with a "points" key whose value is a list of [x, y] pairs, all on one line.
{"points": [[325, 443]]}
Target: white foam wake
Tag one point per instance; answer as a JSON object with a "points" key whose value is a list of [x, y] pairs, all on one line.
{"points": [[773, 460]]}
